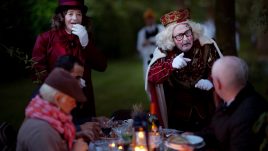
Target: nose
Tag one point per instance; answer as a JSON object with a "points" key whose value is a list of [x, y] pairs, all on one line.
{"points": [[184, 36], [74, 17]]}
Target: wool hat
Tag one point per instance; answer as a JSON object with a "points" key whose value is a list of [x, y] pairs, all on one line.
{"points": [[69, 4], [175, 16], [62, 81]]}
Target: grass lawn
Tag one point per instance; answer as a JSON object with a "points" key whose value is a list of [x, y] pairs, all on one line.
{"points": [[119, 87], [14, 97]]}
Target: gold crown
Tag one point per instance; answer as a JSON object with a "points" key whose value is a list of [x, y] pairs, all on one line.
{"points": [[175, 16]]}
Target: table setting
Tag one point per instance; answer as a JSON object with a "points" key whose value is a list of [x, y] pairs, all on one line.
{"points": [[121, 136]]}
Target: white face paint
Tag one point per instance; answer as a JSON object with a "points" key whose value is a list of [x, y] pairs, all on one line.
{"points": [[183, 37]]}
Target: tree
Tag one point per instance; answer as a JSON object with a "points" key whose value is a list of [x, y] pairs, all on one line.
{"points": [[225, 23]]}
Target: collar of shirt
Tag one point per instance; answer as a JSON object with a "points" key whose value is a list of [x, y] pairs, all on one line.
{"points": [[228, 102]]}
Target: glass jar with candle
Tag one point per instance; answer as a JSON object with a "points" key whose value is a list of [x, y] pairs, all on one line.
{"points": [[140, 137]]}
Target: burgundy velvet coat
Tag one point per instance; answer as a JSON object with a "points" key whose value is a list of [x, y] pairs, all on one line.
{"points": [[51, 45]]}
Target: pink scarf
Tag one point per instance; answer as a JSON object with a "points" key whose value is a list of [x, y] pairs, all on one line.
{"points": [[41, 109]]}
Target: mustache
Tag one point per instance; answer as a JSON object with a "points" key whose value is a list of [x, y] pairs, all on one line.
{"points": [[186, 43]]}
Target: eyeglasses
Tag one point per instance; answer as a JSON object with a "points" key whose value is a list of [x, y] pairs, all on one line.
{"points": [[180, 36]]}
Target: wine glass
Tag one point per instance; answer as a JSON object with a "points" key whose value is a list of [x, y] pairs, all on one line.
{"points": [[123, 131], [106, 128]]}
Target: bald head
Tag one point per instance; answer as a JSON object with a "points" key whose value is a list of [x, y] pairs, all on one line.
{"points": [[231, 71]]}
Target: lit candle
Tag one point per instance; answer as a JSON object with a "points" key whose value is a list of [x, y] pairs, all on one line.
{"points": [[141, 135], [120, 147], [112, 145], [140, 148]]}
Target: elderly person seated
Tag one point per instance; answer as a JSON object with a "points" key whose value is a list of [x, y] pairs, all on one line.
{"points": [[231, 128], [48, 125]]}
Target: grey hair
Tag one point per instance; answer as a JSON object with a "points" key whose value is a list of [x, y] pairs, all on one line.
{"points": [[231, 69], [164, 38], [48, 93]]}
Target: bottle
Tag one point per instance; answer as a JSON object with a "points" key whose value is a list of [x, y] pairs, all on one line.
{"points": [[153, 126]]}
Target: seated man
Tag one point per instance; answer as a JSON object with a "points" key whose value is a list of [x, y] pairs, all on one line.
{"points": [[82, 116], [48, 124], [231, 127]]}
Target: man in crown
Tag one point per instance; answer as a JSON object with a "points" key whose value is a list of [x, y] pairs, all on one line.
{"points": [[178, 77]]}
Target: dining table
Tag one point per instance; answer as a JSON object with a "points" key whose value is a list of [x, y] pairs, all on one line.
{"points": [[122, 135]]}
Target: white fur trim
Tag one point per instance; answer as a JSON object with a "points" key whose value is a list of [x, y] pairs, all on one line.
{"points": [[164, 38]]}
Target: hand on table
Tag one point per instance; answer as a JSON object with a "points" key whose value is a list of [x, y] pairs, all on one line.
{"points": [[80, 145], [100, 119], [90, 130]]}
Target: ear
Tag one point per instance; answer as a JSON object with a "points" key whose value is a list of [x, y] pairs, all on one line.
{"points": [[57, 98], [217, 84]]}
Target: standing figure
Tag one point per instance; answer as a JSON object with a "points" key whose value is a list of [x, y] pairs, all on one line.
{"points": [[69, 35], [178, 78], [146, 38], [209, 23]]}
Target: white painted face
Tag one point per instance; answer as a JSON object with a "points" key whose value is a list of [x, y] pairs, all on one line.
{"points": [[183, 37], [73, 16]]}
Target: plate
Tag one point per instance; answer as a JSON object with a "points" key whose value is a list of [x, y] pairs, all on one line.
{"points": [[108, 138], [176, 147], [168, 132], [196, 141]]}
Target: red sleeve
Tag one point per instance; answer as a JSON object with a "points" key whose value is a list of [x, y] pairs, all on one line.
{"points": [[160, 70], [39, 59]]}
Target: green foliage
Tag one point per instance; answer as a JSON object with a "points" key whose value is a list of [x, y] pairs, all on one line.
{"points": [[259, 16], [116, 23], [253, 15], [23, 58], [41, 13], [261, 128], [15, 96]]}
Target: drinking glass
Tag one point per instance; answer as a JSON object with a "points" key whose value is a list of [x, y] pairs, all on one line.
{"points": [[106, 128]]}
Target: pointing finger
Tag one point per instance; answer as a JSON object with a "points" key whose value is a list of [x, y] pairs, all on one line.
{"points": [[187, 59], [181, 55]]}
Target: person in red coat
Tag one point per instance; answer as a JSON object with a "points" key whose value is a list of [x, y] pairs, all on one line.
{"points": [[178, 76], [70, 34]]}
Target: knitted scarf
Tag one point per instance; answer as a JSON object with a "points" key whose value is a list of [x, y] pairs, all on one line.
{"points": [[41, 109]]}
